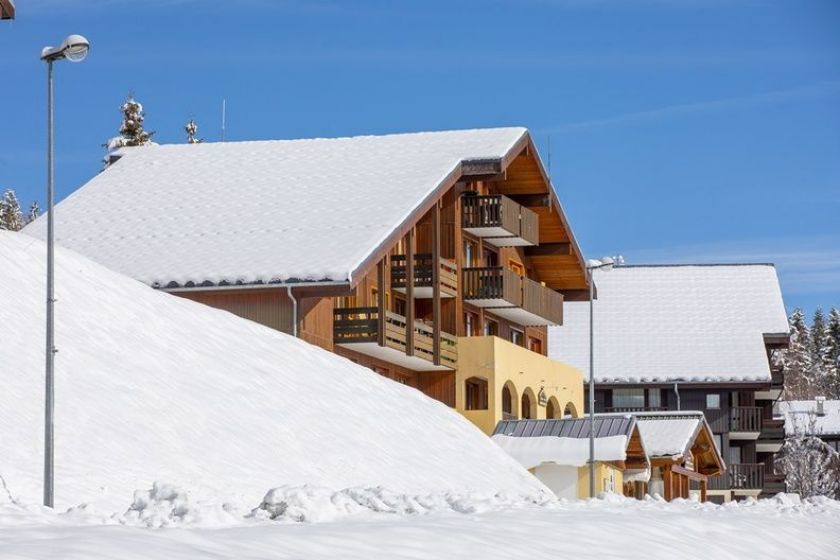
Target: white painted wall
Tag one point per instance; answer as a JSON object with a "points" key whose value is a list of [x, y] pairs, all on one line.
{"points": [[562, 480]]}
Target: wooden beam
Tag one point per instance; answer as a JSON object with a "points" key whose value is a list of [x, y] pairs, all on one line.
{"points": [[409, 294], [381, 286], [668, 483], [436, 284]]}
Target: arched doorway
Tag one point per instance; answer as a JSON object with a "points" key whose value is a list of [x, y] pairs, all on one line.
{"points": [[570, 411], [509, 402], [529, 405], [552, 409]]}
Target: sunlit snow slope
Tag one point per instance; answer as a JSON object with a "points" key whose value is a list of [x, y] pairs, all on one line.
{"points": [[154, 387]]}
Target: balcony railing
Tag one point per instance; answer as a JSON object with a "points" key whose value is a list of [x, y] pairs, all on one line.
{"points": [[739, 476], [424, 275], [361, 325], [500, 220], [745, 419], [511, 296]]}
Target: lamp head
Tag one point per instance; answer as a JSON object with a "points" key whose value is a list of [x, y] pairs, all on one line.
{"points": [[607, 263], [75, 48]]}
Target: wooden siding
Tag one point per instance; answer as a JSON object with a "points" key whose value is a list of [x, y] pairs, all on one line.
{"points": [[269, 307]]}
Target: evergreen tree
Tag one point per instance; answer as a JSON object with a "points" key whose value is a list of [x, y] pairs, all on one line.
{"points": [[11, 217], [132, 132], [34, 212], [192, 129], [797, 359], [832, 354]]}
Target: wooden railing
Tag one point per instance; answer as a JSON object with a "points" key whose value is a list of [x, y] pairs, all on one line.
{"points": [[739, 476], [423, 273], [772, 430], [499, 283], [745, 419], [542, 301], [493, 282], [361, 324], [499, 211]]}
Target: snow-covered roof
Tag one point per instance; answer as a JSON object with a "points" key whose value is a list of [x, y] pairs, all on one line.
{"points": [[152, 387], [669, 433], [801, 417], [259, 212], [564, 441], [687, 323]]}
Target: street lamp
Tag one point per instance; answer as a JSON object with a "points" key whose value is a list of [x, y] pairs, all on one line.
{"points": [[74, 48], [592, 265]]}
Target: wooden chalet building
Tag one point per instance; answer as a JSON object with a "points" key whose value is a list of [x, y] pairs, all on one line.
{"points": [[436, 259], [7, 9], [691, 337]]}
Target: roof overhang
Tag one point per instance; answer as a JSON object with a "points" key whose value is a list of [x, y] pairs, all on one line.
{"points": [[300, 289], [7, 9], [777, 340]]}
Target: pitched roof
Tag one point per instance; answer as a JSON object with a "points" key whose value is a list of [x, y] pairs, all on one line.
{"points": [[799, 416], [564, 441], [687, 323], [261, 212], [669, 433]]}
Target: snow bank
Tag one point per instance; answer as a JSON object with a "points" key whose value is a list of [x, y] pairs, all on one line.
{"points": [[153, 387]]}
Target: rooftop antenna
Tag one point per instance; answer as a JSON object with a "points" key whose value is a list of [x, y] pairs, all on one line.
{"points": [[223, 119]]}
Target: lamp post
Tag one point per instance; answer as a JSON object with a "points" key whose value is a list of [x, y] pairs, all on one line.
{"points": [[74, 48], [591, 266]]}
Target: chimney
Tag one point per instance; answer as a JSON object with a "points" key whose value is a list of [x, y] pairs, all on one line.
{"points": [[820, 405]]}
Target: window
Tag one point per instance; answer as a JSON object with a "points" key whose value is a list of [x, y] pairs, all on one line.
{"points": [[491, 258], [470, 253], [399, 306], [517, 337], [475, 393], [470, 323], [535, 345], [654, 398], [491, 327], [713, 400], [526, 407], [633, 399], [516, 267], [507, 404]]}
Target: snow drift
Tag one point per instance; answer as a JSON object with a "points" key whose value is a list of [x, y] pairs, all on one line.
{"points": [[151, 387]]}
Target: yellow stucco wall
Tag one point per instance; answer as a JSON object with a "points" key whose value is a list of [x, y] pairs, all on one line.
{"points": [[498, 362], [607, 478]]}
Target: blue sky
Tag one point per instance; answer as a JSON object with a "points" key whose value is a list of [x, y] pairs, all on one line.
{"points": [[680, 130]]}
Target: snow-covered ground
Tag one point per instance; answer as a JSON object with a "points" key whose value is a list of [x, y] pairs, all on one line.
{"points": [[615, 528], [151, 387]]}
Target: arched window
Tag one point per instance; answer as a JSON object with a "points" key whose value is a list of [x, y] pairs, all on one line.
{"points": [[529, 408], [570, 411], [552, 409], [509, 402]]}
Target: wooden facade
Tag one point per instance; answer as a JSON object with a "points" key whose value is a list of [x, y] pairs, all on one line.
{"points": [[490, 255]]}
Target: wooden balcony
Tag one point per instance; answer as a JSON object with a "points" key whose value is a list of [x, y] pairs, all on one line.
{"points": [[512, 297], [744, 422], [424, 276], [499, 220], [740, 476], [358, 328]]}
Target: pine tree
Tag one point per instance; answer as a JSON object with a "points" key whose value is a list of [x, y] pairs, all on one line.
{"points": [[819, 352], [132, 132], [11, 217], [34, 212], [832, 354], [797, 359], [192, 129]]}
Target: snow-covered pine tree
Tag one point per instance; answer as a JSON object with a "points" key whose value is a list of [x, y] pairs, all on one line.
{"points": [[11, 218], [819, 352], [797, 359], [833, 353], [34, 212], [192, 129], [132, 132]]}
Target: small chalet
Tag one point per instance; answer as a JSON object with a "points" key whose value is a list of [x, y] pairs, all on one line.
{"points": [[683, 455], [690, 337], [557, 452]]}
